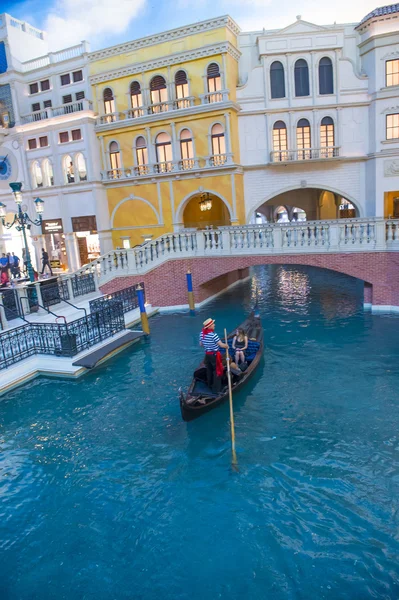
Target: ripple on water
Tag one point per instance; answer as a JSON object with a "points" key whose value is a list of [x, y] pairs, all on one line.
{"points": [[106, 493]]}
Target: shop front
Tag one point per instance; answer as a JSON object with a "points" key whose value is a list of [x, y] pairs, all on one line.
{"points": [[53, 239], [87, 238]]}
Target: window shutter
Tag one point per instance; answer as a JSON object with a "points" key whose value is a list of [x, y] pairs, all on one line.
{"points": [[213, 70], [157, 83], [180, 78], [135, 88]]}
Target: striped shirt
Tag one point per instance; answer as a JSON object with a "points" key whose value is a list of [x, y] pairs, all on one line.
{"points": [[210, 341]]}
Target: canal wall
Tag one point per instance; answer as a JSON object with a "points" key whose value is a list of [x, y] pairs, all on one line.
{"points": [[166, 284]]}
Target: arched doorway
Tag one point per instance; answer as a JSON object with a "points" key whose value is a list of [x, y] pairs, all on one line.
{"points": [[206, 209], [306, 204]]}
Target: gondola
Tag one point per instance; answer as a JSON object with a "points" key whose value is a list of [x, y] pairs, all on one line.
{"points": [[199, 398]]}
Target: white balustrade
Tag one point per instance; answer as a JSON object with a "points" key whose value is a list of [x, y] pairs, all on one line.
{"points": [[278, 156], [218, 96], [344, 235], [64, 109], [54, 57]]}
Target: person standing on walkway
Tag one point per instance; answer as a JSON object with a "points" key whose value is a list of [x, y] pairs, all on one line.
{"points": [[213, 360], [45, 262], [15, 270]]}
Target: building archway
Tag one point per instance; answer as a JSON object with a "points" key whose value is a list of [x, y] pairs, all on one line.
{"points": [[205, 209], [312, 203]]}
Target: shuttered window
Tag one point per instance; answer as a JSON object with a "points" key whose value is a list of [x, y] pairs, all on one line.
{"points": [[277, 83], [301, 76], [326, 83]]}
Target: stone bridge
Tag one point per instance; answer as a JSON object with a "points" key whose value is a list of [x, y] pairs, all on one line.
{"points": [[367, 249]]}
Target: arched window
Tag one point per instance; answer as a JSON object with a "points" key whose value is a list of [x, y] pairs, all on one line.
{"points": [[186, 150], [68, 169], [303, 143], [109, 105], [159, 94], [163, 146], [277, 83], [218, 145], [214, 83], [141, 156], [37, 174], [327, 141], [136, 100], [326, 83], [115, 161], [181, 84], [301, 75], [80, 166], [279, 142], [48, 173]]}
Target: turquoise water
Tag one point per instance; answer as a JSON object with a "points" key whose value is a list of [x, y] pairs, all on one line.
{"points": [[106, 494]]}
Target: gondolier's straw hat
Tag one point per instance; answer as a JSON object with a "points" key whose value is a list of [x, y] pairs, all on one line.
{"points": [[208, 323]]}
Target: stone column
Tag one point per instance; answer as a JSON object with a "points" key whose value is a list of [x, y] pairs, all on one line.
{"points": [[175, 153], [105, 239], [228, 132], [72, 250]]}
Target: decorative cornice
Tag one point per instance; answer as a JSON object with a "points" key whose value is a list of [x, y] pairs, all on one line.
{"points": [[166, 36], [390, 109], [166, 61]]}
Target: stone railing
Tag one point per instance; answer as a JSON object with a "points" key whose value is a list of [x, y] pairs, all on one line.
{"points": [[304, 154], [54, 57], [344, 235], [160, 108], [64, 109], [187, 164]]}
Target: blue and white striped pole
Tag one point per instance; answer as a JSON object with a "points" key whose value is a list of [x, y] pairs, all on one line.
{"points": [[190, 292]]}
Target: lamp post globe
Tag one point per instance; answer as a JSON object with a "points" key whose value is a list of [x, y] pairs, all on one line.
{"points": [[22, 221]]}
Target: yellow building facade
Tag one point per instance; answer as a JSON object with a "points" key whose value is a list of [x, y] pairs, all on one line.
{"points": [[168, 131]]}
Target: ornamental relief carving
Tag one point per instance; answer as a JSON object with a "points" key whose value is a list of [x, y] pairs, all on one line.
{"points": [[166, 37], [167, 61], [391, 168]]}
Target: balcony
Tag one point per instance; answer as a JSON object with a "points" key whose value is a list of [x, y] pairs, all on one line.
{"points": [[152, 110], [162, 168], [48, 113], [283, 156]]}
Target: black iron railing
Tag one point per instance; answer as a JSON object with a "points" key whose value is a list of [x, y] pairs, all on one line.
{"points": [[83, 284], [127, 296], [11, 304], [54, 293], [61, 339]]}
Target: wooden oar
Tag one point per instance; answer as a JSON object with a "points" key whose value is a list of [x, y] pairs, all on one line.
{"points": [[233, 437]]}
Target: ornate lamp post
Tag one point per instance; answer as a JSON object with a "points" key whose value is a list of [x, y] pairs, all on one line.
{"points": [[22, 221]]}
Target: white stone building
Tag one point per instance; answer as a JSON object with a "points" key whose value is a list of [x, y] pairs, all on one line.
{"points": [[48, 143], [317, 126]]}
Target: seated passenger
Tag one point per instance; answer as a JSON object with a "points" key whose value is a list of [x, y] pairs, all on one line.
{"points": [[240, 344]]}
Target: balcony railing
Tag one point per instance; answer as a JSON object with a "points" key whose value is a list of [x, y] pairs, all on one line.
{"points": [[304, 154], [211, 97], [48, 113], [184, 165], [161, 107]]}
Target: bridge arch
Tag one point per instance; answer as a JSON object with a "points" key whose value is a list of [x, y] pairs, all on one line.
{"points": [[278, 196]]}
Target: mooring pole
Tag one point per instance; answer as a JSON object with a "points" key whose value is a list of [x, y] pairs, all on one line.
{"points": [[191, 302], [143, 314]]}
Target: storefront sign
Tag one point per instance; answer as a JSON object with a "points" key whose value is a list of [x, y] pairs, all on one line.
{"points": [[52, 226], [55, 264], [84, 224]]}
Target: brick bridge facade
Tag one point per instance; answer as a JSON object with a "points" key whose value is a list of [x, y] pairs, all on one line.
{"points": [[166, 284]]}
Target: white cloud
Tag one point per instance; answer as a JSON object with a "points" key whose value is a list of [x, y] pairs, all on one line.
{"points": [[269, 15], [71, 21]]}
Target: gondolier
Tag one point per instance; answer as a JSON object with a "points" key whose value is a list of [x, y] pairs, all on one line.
{"points": [[213, 360]]}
